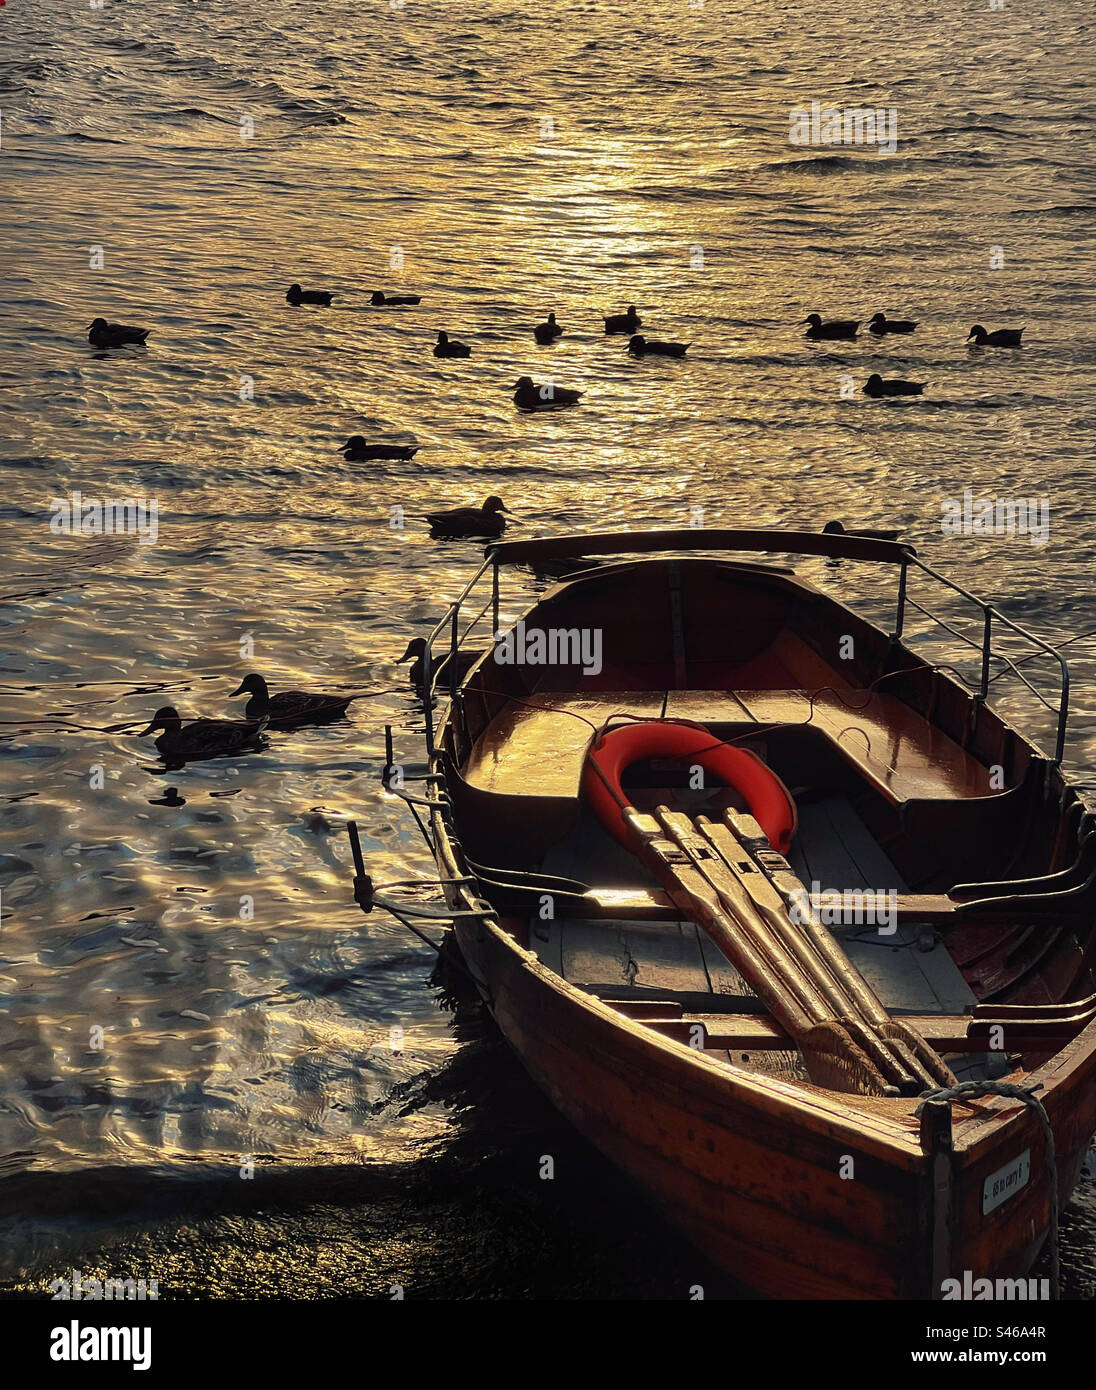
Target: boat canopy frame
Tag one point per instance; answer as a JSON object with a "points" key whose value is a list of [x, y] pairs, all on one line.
{"points": [[764, 540]]}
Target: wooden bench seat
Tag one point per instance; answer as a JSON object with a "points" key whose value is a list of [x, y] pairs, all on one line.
{"points": [[537, 748]]}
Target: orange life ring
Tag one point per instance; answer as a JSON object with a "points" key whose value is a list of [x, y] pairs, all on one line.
{"points": [[768, 798]]}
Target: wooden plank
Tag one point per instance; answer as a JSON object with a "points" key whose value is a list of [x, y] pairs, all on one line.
{"points": [[665, 957]]}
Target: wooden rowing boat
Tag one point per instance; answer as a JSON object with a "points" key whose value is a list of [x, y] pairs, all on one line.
{"points": [[778, 1046]]}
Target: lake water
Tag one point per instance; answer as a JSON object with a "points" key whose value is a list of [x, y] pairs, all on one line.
{"points": [[177, 165]]}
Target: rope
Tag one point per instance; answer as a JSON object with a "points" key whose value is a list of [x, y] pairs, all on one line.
{"points": [[973, 1089]]}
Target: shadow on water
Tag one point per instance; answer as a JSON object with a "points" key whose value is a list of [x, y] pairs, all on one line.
{"points": [[468, 1218]]}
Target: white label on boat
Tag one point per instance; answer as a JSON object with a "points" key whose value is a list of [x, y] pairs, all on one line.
{"points": [[1000, 1186]]}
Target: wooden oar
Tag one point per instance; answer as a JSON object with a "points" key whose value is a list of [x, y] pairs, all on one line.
{"points": [[708, 894], [819, 949]]}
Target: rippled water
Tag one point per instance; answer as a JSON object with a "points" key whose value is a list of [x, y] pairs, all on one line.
{"points": [[501, 161]]}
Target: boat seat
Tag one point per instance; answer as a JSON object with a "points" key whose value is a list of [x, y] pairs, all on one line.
{"points": [[537, 748], [899, 752]]}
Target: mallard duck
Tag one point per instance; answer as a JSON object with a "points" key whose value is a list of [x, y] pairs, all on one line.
{"points": [[835, 528], [444, 348], [289, 707], [356, 450], [623, 323], [469, 521], [110, 335], [639, 346], [1000, 337], [875, 386], [529, 396], [202, 738], [834, 328], [439, 666], [379, 297], [880, 324], [548, 331], [296, 295]]}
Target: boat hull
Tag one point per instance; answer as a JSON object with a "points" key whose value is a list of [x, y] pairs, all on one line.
{"points": [[790, 1192]]}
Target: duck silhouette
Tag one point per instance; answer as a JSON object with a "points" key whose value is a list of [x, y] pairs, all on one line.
{"points": [[639, 346], [623, 323], [379, 297], [357, 450], [289, 708], [202, 738], [835, 528], [548, 331], [1000, 337], [529, 396], [833, 328], [295, 295], [880, 324], [111, 335], [444, 348], [487, 520], [439, 665], [876, 386]]}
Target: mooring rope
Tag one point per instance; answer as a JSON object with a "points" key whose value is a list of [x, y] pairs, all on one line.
{"points": [[973, 1089]]}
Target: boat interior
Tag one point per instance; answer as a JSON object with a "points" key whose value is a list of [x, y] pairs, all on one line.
{"points": [[971, 866]]}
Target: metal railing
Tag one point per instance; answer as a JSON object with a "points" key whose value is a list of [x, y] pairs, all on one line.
{"points": [[990, 616]]}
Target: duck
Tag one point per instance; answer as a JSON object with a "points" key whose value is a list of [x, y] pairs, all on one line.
{"points": [[529, 396], [834, 328], [880, 324], [444, 348], [548, 331], [295, 295], [439, 665], [639, 346], [623, 323], [288, 708], [487, 520], [357, 450], [1000, 337], [379, 297], [835, 528], [202, 738], [111, 335], [875, 386]]}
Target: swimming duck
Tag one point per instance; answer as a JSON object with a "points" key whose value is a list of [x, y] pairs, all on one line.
{"points": [[880, 324], [1000, 337], [624, 323], [379, 297], [202, 738], [445, 348], [469, 521], [548, 331], [875, 386], [835, 528], [834, 328], [288, 708], [529, 396], [639, 346], [356, 450], [439, 665], [110, 335], [295, 295]]}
